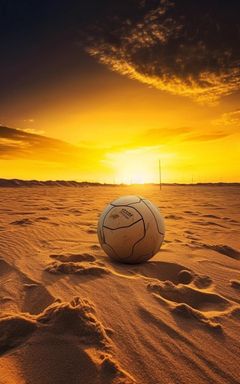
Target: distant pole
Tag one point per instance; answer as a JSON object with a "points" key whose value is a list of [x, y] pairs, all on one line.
{"points": [[160, 174]]}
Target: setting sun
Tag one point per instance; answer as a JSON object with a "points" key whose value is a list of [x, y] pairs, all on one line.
{"points": [[132, 166], [138, 165]]}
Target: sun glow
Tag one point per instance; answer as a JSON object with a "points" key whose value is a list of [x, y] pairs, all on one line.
{"points": [[135, 166]]}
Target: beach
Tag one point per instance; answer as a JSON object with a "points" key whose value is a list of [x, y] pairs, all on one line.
{"points": [[69, 314]]}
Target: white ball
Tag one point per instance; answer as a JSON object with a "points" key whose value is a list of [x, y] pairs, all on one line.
{"points": [[131, 229]]}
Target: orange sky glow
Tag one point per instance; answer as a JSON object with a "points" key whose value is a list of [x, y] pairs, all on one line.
{"points": [[112, 124]]}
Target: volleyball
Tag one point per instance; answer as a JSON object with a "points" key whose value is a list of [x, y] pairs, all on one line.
{"points": [[131, 229]]}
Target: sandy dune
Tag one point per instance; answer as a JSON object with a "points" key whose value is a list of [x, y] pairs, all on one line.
{"points": [[70, 315]]}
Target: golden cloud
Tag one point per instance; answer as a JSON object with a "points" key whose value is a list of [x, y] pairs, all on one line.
{"points": [[184, 50]]}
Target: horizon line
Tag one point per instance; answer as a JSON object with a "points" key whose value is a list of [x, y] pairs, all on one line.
{"points": [[71, 183]]}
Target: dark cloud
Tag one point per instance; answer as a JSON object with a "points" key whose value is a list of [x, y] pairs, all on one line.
{"points": [[185, 47], [189, 48], [16, 143]]}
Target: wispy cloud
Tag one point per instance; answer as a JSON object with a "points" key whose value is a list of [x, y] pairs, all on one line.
{"points": [[19, 144], [202, 136], [190, 50], [163, 136], [230, 120], [16, 142]]}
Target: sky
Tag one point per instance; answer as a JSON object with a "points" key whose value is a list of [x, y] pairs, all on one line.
{"points": [[101, 90]]}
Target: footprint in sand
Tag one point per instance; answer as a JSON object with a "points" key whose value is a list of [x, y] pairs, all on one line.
{"points": [[47, 338], [163, 271], [225, 250], [184, 292], [190, 302], [202, 281], [20, 293], [195, 298], [80, 264]]}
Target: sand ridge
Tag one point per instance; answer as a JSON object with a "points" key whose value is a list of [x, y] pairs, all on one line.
{"points": [[71, 326]]}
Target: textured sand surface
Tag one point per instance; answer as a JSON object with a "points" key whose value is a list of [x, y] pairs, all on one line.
{"points": [[70, 315]]}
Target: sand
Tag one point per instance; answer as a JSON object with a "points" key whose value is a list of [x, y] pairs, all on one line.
{"points": [[70, 315]]}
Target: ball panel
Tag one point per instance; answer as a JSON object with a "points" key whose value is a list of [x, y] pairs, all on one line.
{"points": [[100, 223], [157, 216], [158, 244], [110, 251], [150, 244], [122, 240], [121, 217], [126, 200]]}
